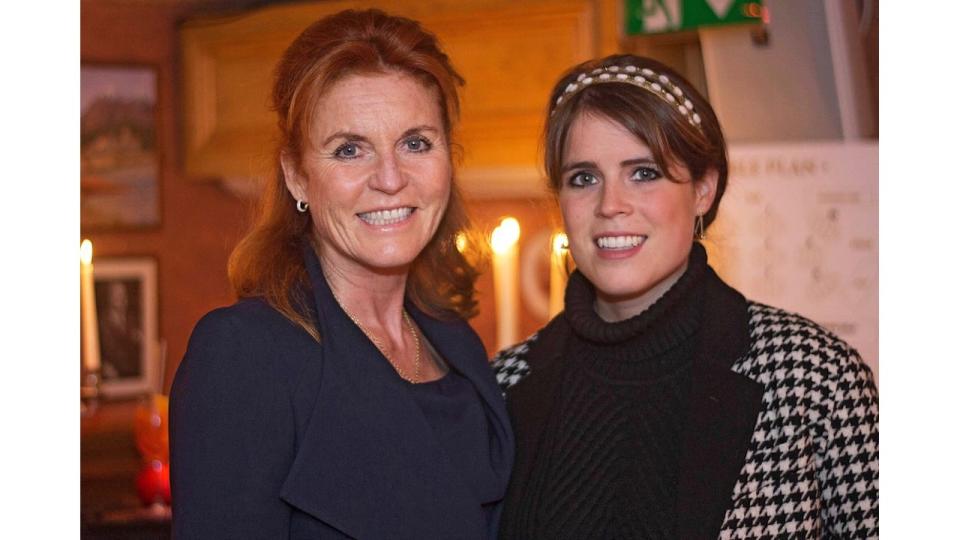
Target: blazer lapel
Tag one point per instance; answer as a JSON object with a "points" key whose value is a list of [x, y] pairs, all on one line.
{"points": [[723, 413], [368, 463]]}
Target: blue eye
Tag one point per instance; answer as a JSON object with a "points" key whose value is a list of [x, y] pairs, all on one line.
{"points": [[646, 174], [582, 179], [347, 151], [417, 144]]}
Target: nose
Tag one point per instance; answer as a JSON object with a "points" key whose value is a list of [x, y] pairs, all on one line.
{"points": [[388, 177], [613, 201]]}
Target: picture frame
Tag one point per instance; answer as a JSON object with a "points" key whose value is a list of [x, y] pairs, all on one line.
{"points": [[119, 154], [125, 289]]}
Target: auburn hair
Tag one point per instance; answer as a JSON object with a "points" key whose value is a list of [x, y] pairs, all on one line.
{"points": [[268, 261], [657, 123]]}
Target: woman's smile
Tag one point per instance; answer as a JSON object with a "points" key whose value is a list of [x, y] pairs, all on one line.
{"points": [[393, 216], [618, 245]]}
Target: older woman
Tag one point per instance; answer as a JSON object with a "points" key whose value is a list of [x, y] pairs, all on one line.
{"points": [[344, 396], [661, 403]]}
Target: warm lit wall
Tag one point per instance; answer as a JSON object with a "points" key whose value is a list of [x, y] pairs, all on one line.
{"points": [[200, 222], [534, 216]]}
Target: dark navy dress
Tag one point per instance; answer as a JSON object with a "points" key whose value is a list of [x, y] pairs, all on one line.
{"points": [[455, 412]]}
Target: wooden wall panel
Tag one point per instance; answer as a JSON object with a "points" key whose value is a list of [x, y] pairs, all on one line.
{"points": [[509, 52]]}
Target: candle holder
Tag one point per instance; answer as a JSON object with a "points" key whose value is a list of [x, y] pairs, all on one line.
{"points": [[89, 392]]}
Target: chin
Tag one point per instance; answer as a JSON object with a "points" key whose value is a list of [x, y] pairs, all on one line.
{"points": [[618, 284], [392, 257]]}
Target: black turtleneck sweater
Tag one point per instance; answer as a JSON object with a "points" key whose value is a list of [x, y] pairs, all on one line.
{"points": [[608, 465]]}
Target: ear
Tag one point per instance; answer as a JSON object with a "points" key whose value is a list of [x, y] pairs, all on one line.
{"points": [[705, 191], [296, 183]]}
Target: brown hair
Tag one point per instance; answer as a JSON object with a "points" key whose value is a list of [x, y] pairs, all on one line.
{"points": [[669, 135], [268, 261]]}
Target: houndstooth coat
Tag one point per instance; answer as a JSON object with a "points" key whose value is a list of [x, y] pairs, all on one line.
{"points": [[782, 440]]}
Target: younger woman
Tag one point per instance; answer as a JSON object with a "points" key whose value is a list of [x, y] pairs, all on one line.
{"points": [[661, 403]]}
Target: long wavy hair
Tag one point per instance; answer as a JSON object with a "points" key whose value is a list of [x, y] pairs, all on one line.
{"points": [[268, 261]]}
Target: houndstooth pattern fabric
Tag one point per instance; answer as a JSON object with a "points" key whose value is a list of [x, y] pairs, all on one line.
{"points": [[812, 469], [509, 364]]}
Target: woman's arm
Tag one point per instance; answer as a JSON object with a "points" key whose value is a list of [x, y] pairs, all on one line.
{"points": [[231, 434], [850, 470]]}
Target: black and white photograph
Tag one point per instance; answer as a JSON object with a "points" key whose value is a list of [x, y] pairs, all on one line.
{"points": [[126, 299]]}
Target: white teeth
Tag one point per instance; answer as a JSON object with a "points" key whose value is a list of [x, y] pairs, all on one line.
{"points": [[386, 217], [620, 242]]}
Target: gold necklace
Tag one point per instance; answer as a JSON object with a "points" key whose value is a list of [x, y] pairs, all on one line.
{"points": [[382, 349]]}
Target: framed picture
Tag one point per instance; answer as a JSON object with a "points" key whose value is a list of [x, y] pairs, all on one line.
{"points": [[119, 164], [126, 296]]}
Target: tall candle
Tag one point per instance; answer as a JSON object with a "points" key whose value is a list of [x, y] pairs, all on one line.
{"points": [[505, 254], [88, 309], [558, 272], [461, 242]]}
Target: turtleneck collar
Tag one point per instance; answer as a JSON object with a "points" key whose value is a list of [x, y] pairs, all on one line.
{"points": [[670, 320]]}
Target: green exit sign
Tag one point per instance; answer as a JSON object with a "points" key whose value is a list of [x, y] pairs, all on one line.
{"points": [[657, 16]]}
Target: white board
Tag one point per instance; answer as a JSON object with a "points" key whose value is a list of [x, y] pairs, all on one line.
{"points": [[798, 229]]}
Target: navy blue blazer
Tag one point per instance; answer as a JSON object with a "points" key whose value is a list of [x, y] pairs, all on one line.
{"points": [[274, 435]]}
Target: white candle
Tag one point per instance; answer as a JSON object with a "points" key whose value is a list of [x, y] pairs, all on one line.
{"points": [[88, 309], [461, 242], [558, 272], [505, 254]]}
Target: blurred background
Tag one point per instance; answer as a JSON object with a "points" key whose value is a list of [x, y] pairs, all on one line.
{"points": [[176, 136]]}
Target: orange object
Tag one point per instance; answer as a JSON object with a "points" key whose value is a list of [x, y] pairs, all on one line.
{"points": [[150, 429], [153, 483], [150, 435]]}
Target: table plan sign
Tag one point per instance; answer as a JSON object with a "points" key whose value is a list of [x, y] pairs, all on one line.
{"points": [[798, 229]]}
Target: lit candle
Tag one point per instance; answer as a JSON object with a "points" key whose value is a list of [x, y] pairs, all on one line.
{"points": [[558, 272], [504, 244], [461, 242], [88, 310]]}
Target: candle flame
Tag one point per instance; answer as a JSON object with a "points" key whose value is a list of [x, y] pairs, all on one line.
{"points": [[505, 235], [461, 242], [86, 252], [559, 243]]}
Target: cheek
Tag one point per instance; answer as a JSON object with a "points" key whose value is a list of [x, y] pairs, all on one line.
{"points": [[576, 221], [443, 184], [672, 208], [338, 186], [570, 208], [443, 176], [438, 185]]}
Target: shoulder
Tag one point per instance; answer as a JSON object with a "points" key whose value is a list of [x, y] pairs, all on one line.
{"points": [[795, 354], [515, 363], [249, 321], [246, 313], [510, 365], [249, 339]]}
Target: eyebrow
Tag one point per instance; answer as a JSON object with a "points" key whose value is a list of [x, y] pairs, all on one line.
{"points": [[593, 165], [346, 135], [419, 129]]}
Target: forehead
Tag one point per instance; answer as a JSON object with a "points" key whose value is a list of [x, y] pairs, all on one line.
{"points": [[368, 101], [594, 137]]}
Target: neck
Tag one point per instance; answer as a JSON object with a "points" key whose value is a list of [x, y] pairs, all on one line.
{"points": [[620, 308], [374, 296]]}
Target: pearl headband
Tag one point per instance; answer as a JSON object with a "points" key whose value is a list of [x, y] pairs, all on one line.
{"points": [[659, 85]]}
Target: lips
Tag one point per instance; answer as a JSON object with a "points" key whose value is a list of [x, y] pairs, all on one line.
{"points": [[620, 242], [386, 217]]}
